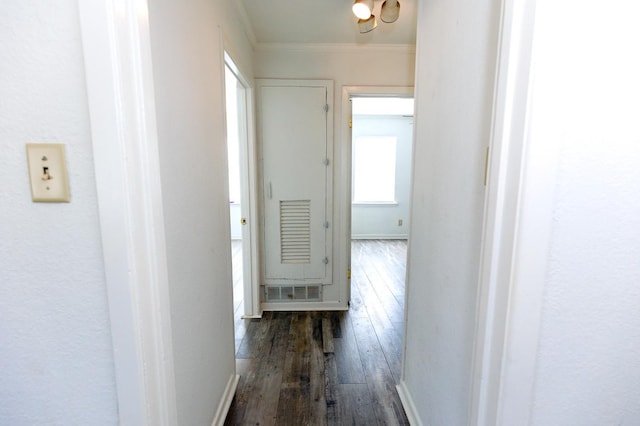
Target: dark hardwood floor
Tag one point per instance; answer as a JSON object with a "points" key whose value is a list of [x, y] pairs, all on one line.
{"points": [[329, 368]]}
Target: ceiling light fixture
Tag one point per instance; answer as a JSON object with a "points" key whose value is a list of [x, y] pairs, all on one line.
{"points": [[362, 9], [367, 25], [390, 11]]}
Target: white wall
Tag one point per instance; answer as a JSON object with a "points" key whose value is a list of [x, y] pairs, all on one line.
{"points": [[585, 109], [455, 57], [346, 66], [381, 220], [188, 77], [55, 344]]}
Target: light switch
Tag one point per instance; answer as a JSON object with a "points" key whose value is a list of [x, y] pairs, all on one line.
{"points": [[48, 172]]}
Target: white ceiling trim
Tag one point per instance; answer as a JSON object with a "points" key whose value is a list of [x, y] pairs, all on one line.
{"points": [[333, 47], [246, 22]]}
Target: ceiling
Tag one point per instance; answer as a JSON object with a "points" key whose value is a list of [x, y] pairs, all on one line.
{"points": [[323, 22]]}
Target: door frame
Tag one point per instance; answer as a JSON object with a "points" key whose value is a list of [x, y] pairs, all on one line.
{"points": [[121, 102], [517, 213], [248, 170], [344, 189], [330, 251]]}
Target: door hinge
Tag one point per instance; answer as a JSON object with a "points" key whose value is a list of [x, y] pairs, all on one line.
{"points": [[326, 107], [325, 161], [326, 225], [351, 123], [325, 260]]}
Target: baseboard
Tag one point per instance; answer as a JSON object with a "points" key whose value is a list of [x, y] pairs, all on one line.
{"points": [[380, 237], [304, 306], [408, 404], [227, 399]]}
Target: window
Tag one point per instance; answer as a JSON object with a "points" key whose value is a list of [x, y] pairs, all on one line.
{"points": [[374, 175]]}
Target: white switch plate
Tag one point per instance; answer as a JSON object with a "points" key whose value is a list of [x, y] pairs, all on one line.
{"points": [[48, 172]]}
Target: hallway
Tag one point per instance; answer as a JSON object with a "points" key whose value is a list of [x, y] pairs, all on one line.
{"points": [[315, 368]]}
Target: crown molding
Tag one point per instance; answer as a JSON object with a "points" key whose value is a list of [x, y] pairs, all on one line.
{"points": [[246, 22], [334, 47]]}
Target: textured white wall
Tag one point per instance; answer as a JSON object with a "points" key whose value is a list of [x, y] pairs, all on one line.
{"points": [[586, 102], [188, 78], [456, 58], [55, 345]]}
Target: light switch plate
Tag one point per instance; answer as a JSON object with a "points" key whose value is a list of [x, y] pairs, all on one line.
{"points": [[48, 172]]}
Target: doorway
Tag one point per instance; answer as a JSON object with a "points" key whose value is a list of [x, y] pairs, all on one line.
{"points": [[380, 162], [381, 136], [241, 194]]}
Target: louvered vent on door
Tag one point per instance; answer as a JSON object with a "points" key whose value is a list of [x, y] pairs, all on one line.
{"points": [[295, 231]]}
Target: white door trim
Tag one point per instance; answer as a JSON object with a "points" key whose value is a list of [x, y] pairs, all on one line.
{"points": [[249, 207], [117, 54], [254, 310], [499, 339], [343, 179]]}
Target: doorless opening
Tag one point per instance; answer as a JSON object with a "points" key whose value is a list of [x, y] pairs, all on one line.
{"points": [[233, 91], [379, 161], [241, 194]]}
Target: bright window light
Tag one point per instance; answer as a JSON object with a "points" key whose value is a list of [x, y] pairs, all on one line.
{"points": [[374, 177], [382, 106]]}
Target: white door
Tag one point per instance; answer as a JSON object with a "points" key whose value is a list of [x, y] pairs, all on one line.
{"points": [[294, 133]]}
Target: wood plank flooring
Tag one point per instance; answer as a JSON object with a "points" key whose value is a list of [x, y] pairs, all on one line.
{"points": [[329, 368]]}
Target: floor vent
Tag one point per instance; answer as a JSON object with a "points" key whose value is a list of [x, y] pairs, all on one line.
{"points": [[295, 293]]}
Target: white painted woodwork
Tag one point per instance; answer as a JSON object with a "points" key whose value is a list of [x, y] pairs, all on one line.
{"points": [[247, 210], [293, 133], [501, 218], [123, 119]]}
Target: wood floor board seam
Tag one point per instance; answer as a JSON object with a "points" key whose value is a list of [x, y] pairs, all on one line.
{"points": [[328, 368]]}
